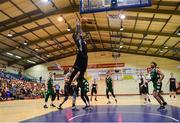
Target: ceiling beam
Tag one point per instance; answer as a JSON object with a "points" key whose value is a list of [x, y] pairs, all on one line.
{"points": [[90, 28], [41, 53], [76, 9], [99, 50], [94, 40]]}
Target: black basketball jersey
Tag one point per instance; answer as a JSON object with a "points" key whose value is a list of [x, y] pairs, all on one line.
{"points": [[94, 86], [142, 81], [81, 44], [172, 80]]}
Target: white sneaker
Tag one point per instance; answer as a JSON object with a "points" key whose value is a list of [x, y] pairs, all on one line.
{"points": [[145, 102]]}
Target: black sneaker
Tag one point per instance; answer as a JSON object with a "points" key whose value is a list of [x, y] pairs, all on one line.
{"points": [[60, 108], [74, 108], [161, 107], [45, 106], [52, 105], [164, 103], [85, 107]]}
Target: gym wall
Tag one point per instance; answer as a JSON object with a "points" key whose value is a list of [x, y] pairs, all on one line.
{"points": [[131, 61]]}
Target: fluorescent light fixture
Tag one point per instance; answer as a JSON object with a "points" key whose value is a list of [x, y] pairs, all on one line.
{"points": [[121, 46], [122, 16], [31, 61], [9, 34], [121, 29], [25, 42], [69, 29], [9, 54], [19, 57], [45, 0], [60, 19], [178, 33]]}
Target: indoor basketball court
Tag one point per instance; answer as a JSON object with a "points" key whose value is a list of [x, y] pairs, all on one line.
{"points": [[89, 61]]}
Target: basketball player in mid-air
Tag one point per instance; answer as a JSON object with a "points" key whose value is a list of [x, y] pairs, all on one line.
{"points": [[144, 88], [49, 91], [81, 62], [109, 86], [94, 88], [156, 77]]}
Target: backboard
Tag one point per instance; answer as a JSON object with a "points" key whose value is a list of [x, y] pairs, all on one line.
{"points": [[92, 6]]}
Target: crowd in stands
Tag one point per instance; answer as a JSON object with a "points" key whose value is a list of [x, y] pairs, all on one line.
{"points": [[18, 88]]}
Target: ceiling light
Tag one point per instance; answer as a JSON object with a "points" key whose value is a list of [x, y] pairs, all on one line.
{"points": [[122, 16], [31, 61], [121, 46], [9, 54], [36, 49], [48, 55], [165, 47], [69, 29], [178, 33], [60, 19], [19, 57], [161, 51], [121, 29], [25, 42], [45, 0], [9, 34]]}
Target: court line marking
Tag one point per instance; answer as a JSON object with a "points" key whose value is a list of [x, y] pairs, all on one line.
{"points": [[125, 113]]}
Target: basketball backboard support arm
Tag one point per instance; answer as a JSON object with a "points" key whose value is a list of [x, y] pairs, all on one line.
{"points": [[93, 6]]}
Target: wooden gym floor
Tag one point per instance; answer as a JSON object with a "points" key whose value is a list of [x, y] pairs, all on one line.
{"points": [[21, 110]]}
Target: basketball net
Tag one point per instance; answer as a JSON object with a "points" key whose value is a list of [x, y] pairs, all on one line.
{"points": [[115, 56]]}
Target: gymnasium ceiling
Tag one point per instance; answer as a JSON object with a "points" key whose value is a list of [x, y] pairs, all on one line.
{"points": [[150, 31]]}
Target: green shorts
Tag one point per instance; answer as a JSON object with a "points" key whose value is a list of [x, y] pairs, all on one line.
{"points": [[50, 92], [157, 86], [109, 90]]}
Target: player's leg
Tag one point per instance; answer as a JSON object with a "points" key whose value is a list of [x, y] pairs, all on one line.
{"points": [[46, 99], [87, 99], [174, 91], [144, 96], [112, 92], [91, 94], [147, 94], [84, 100], [148, 98], [159, 86], [75, 71], [155, 94], [95, 95], [57, 94], [53, 97], [174, 94], [66, 95], [74, 100], [107, 95]]}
